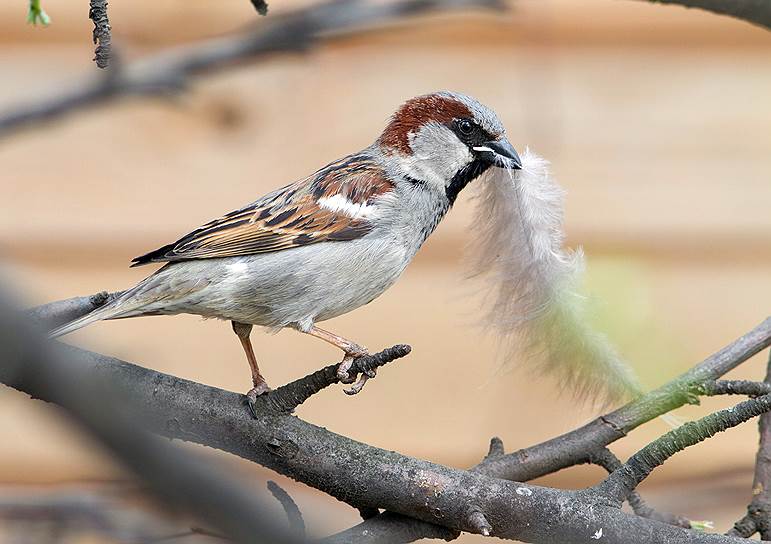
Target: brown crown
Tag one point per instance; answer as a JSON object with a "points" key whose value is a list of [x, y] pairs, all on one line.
{"points": [[415, 113]]}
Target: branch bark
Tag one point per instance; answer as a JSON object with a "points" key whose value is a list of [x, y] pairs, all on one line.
{"points": [[365, 476], [368, 477], [572, 448]]}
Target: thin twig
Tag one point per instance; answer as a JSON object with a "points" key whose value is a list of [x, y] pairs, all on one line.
{"points": [[288, 397], [102, 36], [626, 478], [293, 514], [606, 459], [737, 387], [758, 518]]}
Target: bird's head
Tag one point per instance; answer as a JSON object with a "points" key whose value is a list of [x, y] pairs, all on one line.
{"points": [[445, 140]]}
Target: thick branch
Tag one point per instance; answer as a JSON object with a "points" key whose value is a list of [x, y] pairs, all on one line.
{"points": [[363, 475], [355, 473], [757, 12], [172, 71]]}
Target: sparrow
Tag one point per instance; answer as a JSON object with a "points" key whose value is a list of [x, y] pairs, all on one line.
{"points": [[326, 244]]}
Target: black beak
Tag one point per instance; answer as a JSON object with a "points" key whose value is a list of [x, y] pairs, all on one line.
{"points": [[500, 153]]}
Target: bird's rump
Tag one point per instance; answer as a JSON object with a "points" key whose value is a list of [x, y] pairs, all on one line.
{"points": [[334, 204]]}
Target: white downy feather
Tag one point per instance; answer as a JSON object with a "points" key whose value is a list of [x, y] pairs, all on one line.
{"points": [[532, 284]]}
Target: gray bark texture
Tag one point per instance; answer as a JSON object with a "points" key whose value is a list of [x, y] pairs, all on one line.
{"points": [[479, 500]]}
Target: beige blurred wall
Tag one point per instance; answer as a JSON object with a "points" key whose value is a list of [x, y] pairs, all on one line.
{"points": [[656, 120]]}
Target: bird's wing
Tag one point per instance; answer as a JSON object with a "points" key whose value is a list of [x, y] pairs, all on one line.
{"points": [[334, 204]]}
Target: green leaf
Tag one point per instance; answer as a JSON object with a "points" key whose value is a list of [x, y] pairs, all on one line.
{"points": [[702, 526], [36, 14]]}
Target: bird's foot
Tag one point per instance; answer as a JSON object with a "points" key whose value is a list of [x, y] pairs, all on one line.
{"points": [[352, 352], [345, 375], [359, 385], [250, 399]]}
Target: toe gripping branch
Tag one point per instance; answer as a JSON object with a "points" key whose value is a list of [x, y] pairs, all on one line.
{"points": [[288, 397]]}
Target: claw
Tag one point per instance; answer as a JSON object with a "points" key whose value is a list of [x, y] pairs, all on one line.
{"points": [[250, 399], [359, 385]]}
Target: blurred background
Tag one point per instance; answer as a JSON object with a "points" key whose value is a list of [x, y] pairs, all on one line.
{"points": [[656, 120]]}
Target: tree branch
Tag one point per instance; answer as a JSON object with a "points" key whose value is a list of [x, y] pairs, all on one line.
{"points": [[607, 460], [758, 518], [757, 12], [102, 36], [627, 477], [368, 477], [98, 405], [570, 448], [288, 397], [293, 514], [170, 72]]}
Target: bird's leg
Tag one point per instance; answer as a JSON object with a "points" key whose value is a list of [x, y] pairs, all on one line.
{"points": [[351, 350], [259, 385]]}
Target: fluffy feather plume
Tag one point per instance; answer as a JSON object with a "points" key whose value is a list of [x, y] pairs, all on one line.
{"points": [[532, 299]]}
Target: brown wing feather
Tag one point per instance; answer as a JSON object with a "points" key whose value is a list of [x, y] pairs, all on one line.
{"points": [[289, 217]]}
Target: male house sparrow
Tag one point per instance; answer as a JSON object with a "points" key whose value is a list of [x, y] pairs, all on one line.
{"points": [[329, 243]]}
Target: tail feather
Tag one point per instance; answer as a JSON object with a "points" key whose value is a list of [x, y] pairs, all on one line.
{"points": [[112, 310], [533, 298]]}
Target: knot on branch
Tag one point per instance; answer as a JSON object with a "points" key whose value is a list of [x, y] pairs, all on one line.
{"points": [[496, 449], [478, 523], [760, 513]]}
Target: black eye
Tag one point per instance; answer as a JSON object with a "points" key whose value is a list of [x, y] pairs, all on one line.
{"points": [[465, 127]]}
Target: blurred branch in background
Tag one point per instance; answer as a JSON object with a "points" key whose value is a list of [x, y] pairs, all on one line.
{"points": [[109, 414], [753, 11], [171, 72], [41, 515]]}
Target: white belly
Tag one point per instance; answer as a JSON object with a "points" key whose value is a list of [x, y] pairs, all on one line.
{"points": [[294, 287]]}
